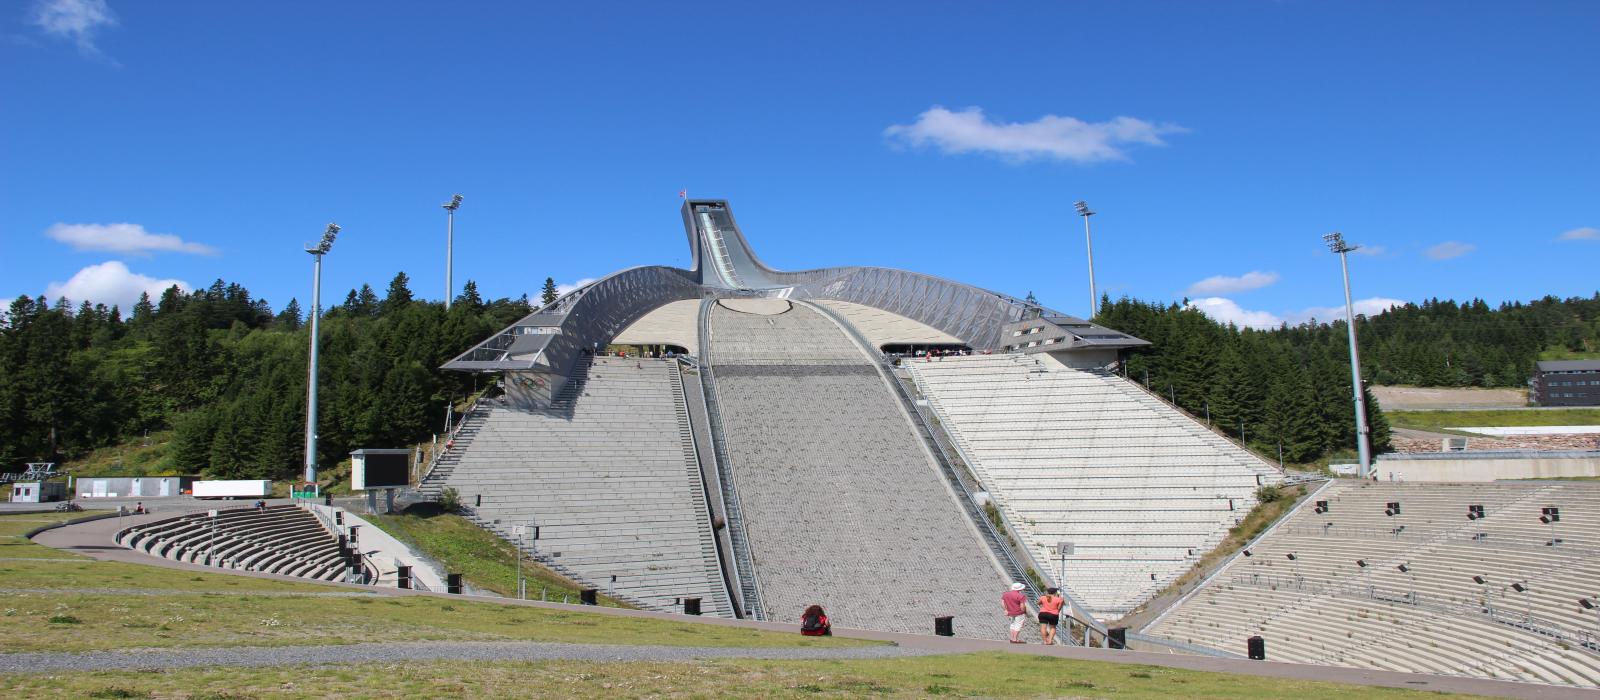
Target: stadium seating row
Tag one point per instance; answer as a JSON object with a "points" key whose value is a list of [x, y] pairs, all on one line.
{"points": [[1423, 589], [1140, 490], [609, 477], [278, 539]]}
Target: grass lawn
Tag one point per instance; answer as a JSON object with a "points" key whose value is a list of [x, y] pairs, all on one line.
{"points": [[485, 560], [1434, 420], [1565, 354], [131, 458], [80, 622], [990, 675], [226, 610]]}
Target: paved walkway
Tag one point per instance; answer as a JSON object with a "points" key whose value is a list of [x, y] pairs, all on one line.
{"points": [[93, 539], [149, 659]]}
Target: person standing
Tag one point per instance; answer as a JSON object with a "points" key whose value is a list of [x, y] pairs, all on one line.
{"points": [[1050, 615], [1015, 604]]}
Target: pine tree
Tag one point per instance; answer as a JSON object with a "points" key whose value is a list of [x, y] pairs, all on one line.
{"points": [[549, 295], [469, 298], [398, 295], [291, 317]]}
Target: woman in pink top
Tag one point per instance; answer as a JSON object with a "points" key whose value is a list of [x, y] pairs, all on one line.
{"points": [[1050, 614]]}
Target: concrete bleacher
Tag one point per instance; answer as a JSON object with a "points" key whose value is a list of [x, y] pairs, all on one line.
{"points": [[279, 539], [609, 476], [1141, 490], [842, 504], [1323, 607]]}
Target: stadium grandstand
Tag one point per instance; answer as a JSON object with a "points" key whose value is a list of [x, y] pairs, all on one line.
{"points": [[1476, 579], [810, 477], [899, 447], [286, 540]]}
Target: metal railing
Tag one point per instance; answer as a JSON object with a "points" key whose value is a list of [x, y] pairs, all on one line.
{"points": [[743, 558], [450, 433], [998, 542], [683, 394], [1526, 622]]}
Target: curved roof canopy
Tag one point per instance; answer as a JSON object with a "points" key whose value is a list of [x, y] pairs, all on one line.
{"points": [[725, 265]]}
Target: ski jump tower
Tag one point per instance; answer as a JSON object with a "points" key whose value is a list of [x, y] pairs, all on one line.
{"points": [[537, 353]]}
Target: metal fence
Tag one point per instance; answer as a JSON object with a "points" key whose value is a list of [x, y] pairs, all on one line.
{"points": [[743, 558]]}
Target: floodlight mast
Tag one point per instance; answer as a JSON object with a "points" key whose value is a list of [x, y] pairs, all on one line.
{"points": [[316, 251], [1337, 244], [1088, 240], [450, 208]]}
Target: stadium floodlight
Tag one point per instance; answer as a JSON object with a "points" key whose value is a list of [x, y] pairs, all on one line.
{"points": [[1337, 245], [1088, 240], [316, 251], [450, 208]]}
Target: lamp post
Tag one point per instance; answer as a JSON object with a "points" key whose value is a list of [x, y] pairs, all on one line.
{"points": [[450, 208], [1522, 588], [316, 251], [1088, 240], [1337, 244], [1406, 569], [1488, 602], [1591, 604]]}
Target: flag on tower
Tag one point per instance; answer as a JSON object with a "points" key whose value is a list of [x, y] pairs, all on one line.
{"points": [[683, 194]]}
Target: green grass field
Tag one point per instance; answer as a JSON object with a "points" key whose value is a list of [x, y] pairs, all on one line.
{"points": [[1434, 420], [219, 610], [1565, 354], [137, 457], [224, 610], [485, 560], [989, 675]]}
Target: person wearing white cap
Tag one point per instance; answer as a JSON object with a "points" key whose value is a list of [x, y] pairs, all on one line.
{"points": [[1015, 603]]}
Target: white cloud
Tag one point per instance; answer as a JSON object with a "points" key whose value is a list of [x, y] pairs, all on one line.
{"points": [[76, 20], [1587, 233], [123, 238], [109, 283], [1448, 250], [1225, 310], [1223, 284], [1363, 307], [1051, 137], [1370, 250], [563, 289]]}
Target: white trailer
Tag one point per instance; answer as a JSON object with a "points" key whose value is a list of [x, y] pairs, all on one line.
{"points": [[236, 488]]}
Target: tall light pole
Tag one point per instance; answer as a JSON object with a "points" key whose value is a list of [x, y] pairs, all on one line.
{"points": [[450, 208], [316, 251], [1088, 240], [1337, 244]]}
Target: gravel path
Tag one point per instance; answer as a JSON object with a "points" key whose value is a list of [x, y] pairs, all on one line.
{"points": [[345, 654]]}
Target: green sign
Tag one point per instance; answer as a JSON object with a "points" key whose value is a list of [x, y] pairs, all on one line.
{"points": [[308, 491]]}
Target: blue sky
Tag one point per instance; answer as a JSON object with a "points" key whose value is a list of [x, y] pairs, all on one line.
{"points": [[145, 142]]}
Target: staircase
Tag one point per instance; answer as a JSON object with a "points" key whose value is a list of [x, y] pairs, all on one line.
{"points": [[470, 424]]}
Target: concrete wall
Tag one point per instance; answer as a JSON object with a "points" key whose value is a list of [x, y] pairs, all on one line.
{"points": [[131, 487], [1491, 469], [1088, 358]]}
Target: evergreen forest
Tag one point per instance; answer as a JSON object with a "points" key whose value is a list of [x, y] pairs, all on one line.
{"points": [[1290, 386], [227, 373]]}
